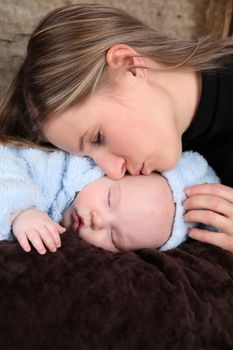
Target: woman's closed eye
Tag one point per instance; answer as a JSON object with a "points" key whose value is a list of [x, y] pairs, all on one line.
{"points": [[98, 138]]}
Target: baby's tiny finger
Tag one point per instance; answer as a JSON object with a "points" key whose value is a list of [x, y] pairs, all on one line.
{"points": [[54, 232], [36, 241], [48, 239], [60, 228], [23, 241], [57, 239]]}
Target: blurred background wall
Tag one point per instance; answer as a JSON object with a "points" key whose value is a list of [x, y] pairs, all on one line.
{"points": [[183, 18]]}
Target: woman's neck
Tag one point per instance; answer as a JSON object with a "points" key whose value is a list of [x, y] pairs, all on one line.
{"points": [[184, 89], [191, 93]]}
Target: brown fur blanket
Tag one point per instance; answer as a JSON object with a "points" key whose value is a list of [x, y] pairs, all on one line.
{"points": [[83, 298]]}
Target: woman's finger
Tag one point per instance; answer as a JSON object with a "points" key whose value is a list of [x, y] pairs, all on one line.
{"points": [[219, 190], [219, 239], [210, 218], [210, 202]]}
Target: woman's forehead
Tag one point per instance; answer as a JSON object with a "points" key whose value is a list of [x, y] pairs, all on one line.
{"points": [[64, 131]]}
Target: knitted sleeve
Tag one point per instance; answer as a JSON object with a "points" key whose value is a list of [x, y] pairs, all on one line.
{"points": [[17, 190]]}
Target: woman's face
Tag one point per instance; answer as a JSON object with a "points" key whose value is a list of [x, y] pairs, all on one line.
{"points": [[130, 128]]}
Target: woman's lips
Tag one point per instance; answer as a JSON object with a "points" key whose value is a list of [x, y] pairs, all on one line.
{"points": [[139, 171], [76, 221], [144, 171]]}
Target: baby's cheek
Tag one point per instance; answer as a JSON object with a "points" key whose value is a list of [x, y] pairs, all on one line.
{"points": [[66, 218], [98, 239], [164, 224]]}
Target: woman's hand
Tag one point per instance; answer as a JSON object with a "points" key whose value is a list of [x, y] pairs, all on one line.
{"points": [[211, 204]]}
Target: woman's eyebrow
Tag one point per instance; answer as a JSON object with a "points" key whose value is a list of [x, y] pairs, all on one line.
{"points": [[81, 141]]}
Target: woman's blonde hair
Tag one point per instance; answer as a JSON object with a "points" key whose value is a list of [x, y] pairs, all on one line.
{"points": [[66, 61]]}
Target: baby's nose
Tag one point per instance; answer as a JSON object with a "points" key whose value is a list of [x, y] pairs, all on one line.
{"points": [[96, 220]]}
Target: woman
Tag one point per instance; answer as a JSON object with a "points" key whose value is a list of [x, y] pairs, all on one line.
{"points": [[98, 82]]}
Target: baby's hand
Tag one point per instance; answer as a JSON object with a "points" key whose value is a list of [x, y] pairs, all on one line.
{"points": [[37, 227]]}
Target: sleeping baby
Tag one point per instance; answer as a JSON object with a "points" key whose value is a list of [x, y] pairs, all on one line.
{"points": [[138, 211], [45, 193]]}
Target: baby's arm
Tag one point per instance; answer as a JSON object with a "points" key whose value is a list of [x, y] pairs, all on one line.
{"points": [[18, 190], [37, 227]]}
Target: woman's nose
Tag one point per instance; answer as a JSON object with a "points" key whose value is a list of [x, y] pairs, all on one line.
{"points": [[114, 166], [96, 220]]}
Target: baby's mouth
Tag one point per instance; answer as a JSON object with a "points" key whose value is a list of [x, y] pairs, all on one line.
{"points": [[77, 221]]}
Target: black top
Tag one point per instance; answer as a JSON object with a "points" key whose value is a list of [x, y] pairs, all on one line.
{"points": [[211, 131]]}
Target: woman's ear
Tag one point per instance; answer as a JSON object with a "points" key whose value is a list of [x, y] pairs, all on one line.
{"points": [[124, 56]]}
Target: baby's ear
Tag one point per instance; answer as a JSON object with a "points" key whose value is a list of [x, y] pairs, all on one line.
{"points": [[124, 56]]}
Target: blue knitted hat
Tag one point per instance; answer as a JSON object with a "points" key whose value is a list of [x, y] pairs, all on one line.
{"points": [[192, 169]]}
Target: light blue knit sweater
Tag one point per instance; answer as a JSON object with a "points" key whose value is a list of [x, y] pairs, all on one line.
{"points": [[44, 180]]}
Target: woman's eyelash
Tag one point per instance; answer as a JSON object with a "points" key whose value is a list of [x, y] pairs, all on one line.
{"points": [[98, 139]]}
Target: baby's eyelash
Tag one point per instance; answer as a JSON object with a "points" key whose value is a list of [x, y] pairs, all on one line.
{"points": [[112, 238], [113, 241], [109, 198]]}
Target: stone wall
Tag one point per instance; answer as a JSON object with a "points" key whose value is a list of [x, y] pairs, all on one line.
{"points": [[185, 18]]}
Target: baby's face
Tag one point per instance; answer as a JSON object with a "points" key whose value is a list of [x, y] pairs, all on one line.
{"points": [[129, 214]]}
